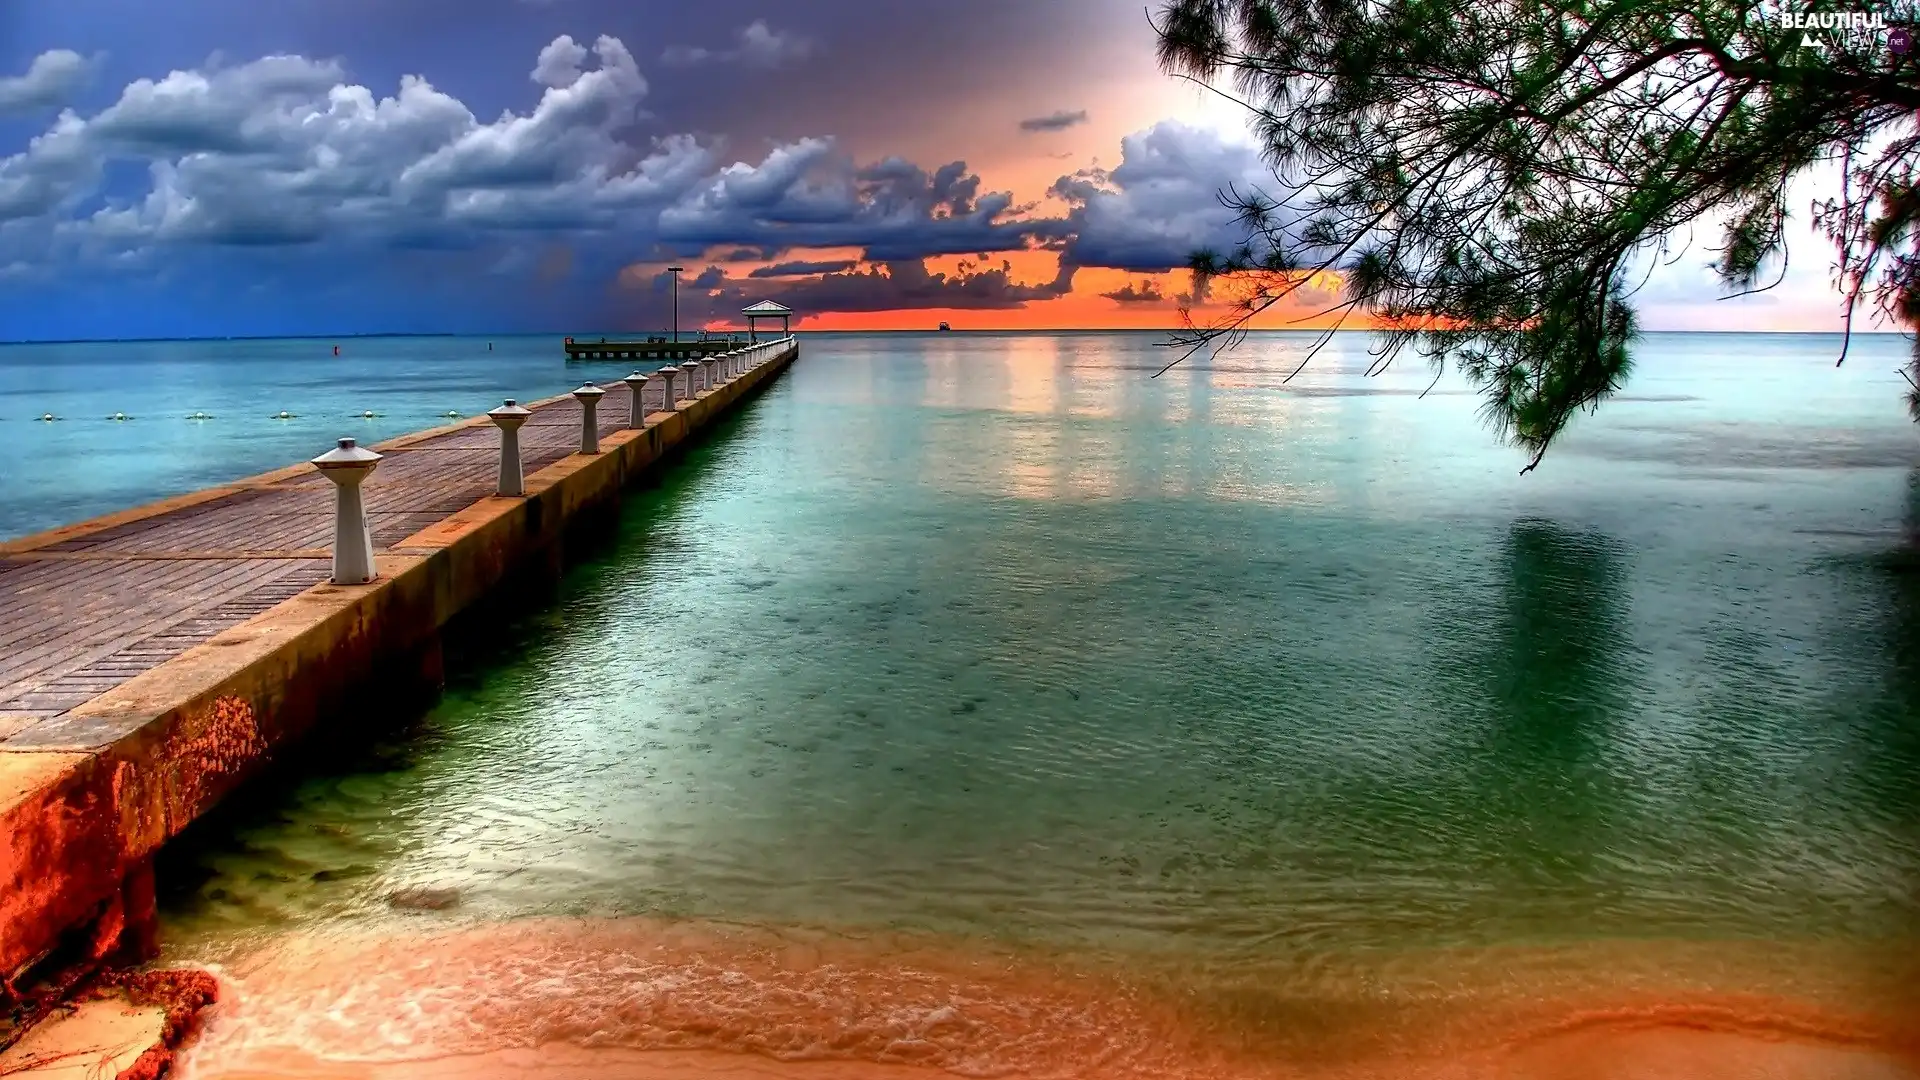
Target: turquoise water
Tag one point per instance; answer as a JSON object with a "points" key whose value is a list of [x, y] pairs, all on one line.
{"points": [[83, 465], [997, 641]]}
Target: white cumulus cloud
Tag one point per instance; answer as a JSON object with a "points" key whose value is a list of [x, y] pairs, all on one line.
{"points": [[48, 82]]}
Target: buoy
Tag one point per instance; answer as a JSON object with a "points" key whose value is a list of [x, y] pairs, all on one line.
{"points": [[451, 415], [199, 416], [49, 417], [119, 416], [336, 350], [282, 415], [368, 415]]}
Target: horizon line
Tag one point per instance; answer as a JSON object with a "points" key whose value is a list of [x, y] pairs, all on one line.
{"points": [[364, 336]]}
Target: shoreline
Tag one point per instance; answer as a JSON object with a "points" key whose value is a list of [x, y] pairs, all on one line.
{"points": [[651, 999]]}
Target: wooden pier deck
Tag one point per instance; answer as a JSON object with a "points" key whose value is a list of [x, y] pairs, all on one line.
{"points": [[151, 659]]}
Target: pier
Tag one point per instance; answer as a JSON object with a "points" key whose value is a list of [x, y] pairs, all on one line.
{"points": [[154, 659], [653, 348]]}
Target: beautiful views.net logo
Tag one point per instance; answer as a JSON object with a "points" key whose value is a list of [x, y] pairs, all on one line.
{"points": [[1819, 29]]}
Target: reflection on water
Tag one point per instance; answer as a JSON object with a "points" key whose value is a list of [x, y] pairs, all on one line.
{"points": [[1298, 727], [1561, 692], [1033, 376]]}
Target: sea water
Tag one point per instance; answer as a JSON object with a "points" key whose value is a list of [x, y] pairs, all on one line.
{"points": [[987, 703]]}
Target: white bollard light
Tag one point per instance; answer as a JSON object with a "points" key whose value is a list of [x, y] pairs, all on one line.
{"points": [[589, 398], [508, 419], [637, 389], [692, 368], [347, 465], [666, 375]]}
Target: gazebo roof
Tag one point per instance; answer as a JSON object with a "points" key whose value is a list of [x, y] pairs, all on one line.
{"points": [[766, 307]]}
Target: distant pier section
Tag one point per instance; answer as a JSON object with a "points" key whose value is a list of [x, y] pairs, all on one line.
{"points": [[671, 347], [154, 659], [652, 348]]}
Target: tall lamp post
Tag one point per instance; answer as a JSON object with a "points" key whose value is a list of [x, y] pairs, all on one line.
{"points": [[675, 271]]}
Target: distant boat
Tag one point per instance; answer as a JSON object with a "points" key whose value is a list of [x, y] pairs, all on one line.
{"points": [[944, 326]]}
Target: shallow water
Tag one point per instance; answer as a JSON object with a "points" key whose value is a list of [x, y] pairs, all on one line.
{"points": [[1072, 722]]}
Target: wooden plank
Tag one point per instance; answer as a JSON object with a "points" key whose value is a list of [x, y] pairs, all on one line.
{"points": [[85, 674], [117, 599], [75, 642], [68, 596]]}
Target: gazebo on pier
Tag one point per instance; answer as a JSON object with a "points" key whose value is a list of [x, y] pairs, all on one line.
{"points": [[767, 309]]}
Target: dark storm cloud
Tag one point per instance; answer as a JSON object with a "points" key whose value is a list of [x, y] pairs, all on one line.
{"points": [[891, 286], [734, 255], [1157, 207], [1058, 121], [1140, 292], [811, 195], [908, 284], [803, 269]]}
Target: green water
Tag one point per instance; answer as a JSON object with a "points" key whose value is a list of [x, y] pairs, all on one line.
{"points": [[996, 637]]}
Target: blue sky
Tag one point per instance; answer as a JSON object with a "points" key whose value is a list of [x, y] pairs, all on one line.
{"points": [[219, 167]]}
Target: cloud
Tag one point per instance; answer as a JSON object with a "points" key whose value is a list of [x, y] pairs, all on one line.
{"points": [[285, 150], [1161, 203], [809, 194], [288, 154], [687, 55], [1144, 291], [1057, 121], [889, 286], [757, 45], [801, 269], [741, 254], [46, 175], [559, 63], [766, 47], [49, 82]]}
